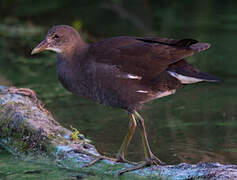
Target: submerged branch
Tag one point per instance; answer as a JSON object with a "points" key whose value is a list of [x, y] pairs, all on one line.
{"points": [[26, 128]]}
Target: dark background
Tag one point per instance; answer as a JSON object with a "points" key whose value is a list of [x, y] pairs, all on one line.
{"points": [[197, 124]]}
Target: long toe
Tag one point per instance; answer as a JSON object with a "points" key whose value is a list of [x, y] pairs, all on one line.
{"points": [[94, 161], [123, 160], [148, 162], [156, 161], [98, 158], [136, 167]]}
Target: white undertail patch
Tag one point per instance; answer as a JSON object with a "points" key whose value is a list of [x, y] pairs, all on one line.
{"points": [[184, 79]]}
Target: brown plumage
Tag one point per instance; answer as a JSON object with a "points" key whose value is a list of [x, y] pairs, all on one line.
{"points": [[124, 72]]}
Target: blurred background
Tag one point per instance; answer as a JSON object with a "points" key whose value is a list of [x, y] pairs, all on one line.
{"points": [[197, 124]]}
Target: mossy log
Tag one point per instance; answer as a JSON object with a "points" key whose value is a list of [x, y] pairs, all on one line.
{"points": [[26, 128]]}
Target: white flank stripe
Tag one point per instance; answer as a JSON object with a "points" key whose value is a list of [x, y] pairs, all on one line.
{"points": [[165, 93], [184, 79], [131, 76], [141, 91]]}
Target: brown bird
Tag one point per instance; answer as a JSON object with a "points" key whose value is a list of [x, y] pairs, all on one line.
{"points": [[124, 72]]}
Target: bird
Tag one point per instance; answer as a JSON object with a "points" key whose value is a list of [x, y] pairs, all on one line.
{"points": [[124, 72]]}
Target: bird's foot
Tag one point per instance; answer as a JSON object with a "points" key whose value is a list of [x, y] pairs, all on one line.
{"points": [[152, 160], [98, 158], [117, 159], [121, 158]]}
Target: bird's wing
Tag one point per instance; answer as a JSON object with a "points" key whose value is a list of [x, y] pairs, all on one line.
{"points": [[144, 57]]}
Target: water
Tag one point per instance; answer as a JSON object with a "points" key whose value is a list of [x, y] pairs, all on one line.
{"points": [[197, 124]]}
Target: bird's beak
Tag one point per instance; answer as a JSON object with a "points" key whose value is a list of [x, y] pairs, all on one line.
{"points": [[41, 47]]}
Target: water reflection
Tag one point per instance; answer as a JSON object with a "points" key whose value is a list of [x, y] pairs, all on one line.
{"points": [[197, 124], [194, 125]]}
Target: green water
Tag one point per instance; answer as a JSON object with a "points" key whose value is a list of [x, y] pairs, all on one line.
{"points": [[197, 124]]}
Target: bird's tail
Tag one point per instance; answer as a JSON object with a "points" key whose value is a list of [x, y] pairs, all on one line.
{"points": [[187, 74], [192, 44]]}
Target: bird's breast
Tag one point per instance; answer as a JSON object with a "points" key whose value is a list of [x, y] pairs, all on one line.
{"points": [[73, 78]]}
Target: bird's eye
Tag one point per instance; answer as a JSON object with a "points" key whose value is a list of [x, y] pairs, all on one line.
{"points": [[55, 36]]}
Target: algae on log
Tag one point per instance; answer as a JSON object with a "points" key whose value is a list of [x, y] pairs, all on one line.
{"points": [[26, 128]]}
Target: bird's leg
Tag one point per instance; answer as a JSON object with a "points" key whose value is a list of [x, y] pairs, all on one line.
{"points": [[147, 150], [150, 159], [123, 148]]}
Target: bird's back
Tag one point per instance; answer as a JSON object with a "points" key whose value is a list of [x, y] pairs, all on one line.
{"points": [[127, 71]]}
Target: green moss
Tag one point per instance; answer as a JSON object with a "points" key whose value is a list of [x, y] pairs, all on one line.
{"points": [[17, 134], [75, 134]]}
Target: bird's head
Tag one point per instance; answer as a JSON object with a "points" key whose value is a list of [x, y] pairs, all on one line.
{"points": [[60, 39]]}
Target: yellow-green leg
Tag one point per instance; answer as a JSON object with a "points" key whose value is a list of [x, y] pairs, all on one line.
{"points": [[123, 148], [150, 159]]}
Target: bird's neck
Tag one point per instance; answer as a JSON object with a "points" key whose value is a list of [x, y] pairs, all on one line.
{"points": [[75, 50]]}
